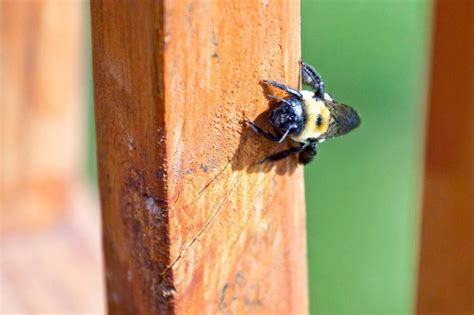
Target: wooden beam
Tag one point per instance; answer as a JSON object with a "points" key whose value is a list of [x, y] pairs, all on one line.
{"points": [[41, 111], [446, 278], [191, 224]]}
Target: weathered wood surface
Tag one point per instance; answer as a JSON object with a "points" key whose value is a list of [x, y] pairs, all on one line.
{"points": [[446, 276], [191, 224]]}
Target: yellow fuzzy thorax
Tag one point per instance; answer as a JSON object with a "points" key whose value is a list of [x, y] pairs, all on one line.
{"points": [[313, 108]]}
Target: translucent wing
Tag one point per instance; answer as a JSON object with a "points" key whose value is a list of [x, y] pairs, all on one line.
{"points": [[343, 119]]}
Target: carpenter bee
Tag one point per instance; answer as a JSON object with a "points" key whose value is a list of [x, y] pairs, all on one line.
{"points": [[307, 117]]}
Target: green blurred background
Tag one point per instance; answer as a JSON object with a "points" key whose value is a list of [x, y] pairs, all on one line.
{"points": [[363, 190]]}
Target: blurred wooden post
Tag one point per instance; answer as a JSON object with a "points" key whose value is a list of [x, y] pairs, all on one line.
{"points": [[446, 277], [41, 110], [190, 224]]}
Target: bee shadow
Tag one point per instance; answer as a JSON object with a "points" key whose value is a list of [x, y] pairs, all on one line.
{"points": [[253, 148]]}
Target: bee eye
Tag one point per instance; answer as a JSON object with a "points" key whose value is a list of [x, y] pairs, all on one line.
{"points": [[319, 120]]}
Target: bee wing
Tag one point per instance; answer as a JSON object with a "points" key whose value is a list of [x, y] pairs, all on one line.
{"points": [[343, 119]]}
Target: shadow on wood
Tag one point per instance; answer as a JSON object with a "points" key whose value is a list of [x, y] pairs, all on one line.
{"points": [[189, 226], [254, 148]]}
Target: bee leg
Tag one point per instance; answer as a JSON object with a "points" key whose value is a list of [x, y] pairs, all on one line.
{"points": [[283, 154], [312, 78], [267, 134], [273, 97], [285, 88], [308, 153]]}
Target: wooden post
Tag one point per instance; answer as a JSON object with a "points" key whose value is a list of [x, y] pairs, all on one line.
{"points": [[191, 224], [41, 111], [446, 278]]}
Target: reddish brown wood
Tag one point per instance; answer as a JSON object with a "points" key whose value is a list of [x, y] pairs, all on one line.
{"points": [[191, 224], [446, 276]]}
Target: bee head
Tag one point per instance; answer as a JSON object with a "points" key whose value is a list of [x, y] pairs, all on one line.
{"points": [[288, 115]]}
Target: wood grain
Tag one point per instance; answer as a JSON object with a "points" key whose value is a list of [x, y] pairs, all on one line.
{"points": [[446, 275], [191, 223]]}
